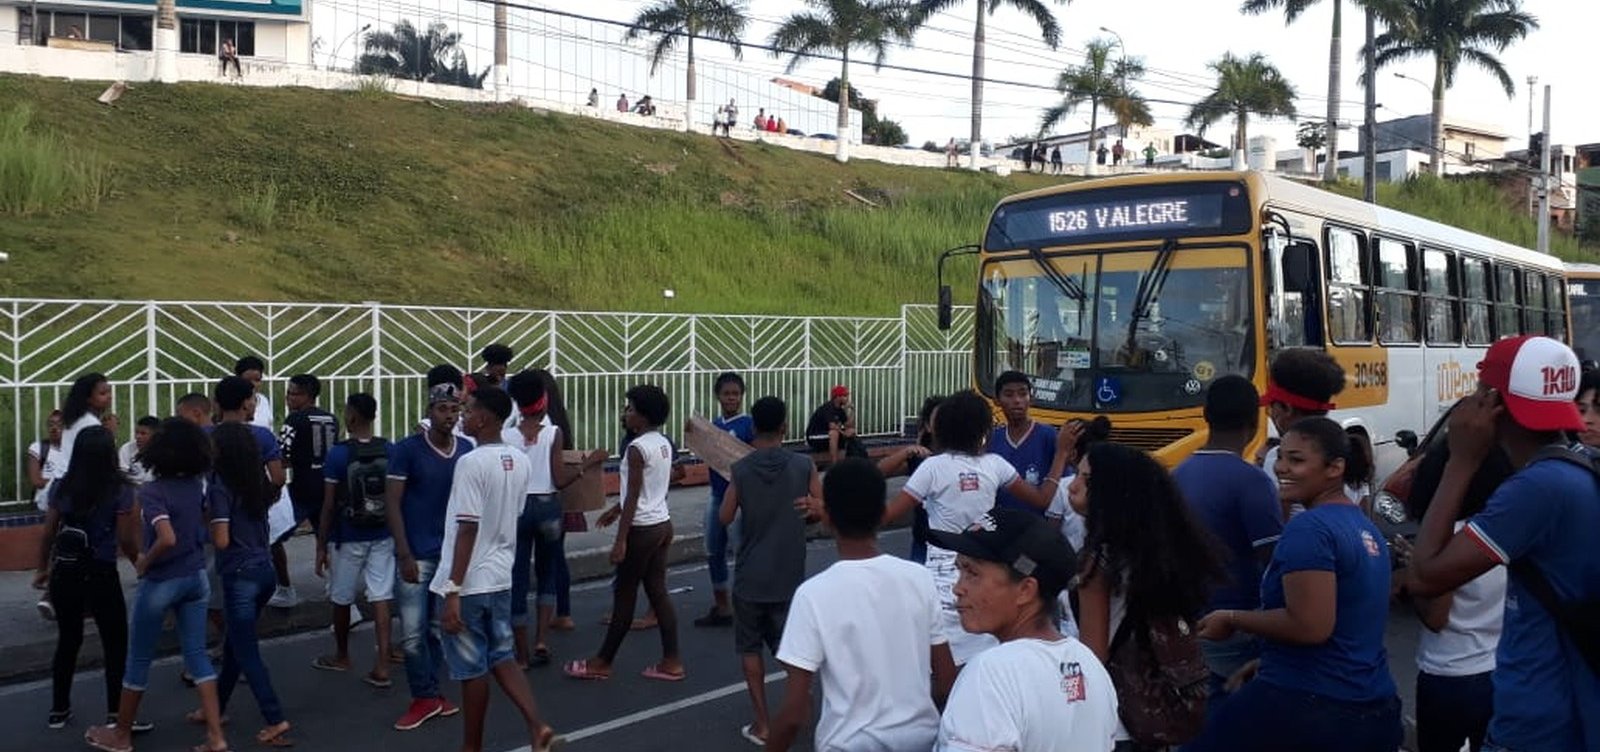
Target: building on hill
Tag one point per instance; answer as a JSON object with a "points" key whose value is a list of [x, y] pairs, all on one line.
{"points": [[1467, 145], [270, 30]]}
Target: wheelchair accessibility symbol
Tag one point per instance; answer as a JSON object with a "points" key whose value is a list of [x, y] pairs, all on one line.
{"points": [[1108, 390]]}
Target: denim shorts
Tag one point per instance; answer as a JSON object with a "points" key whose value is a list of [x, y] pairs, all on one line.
{"points": [[352, 564], [485, 639]]}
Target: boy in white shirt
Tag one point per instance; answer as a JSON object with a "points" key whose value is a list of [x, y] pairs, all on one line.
{"points": [[1037, 691], [869, 627], [474, 577]]}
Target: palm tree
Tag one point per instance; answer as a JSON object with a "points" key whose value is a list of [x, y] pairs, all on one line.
{"points": [[720, 20], [1245, 87], [839, 26], [1292, 10], [433, 56], [1049, 31], [1452, 32], [1099, 80]]}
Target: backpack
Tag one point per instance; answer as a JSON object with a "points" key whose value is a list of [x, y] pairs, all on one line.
{"points": [[1579, 619], [366, 503], [1161, 679]]}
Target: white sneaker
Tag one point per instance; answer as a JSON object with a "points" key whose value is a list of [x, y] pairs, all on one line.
{"points": [[284, 597], [47, 611]]}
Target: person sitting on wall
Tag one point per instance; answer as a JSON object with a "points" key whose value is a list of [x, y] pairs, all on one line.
{"points": [[229, 54]]}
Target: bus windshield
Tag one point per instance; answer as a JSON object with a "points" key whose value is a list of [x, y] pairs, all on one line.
{"points": [[1110, 332]]}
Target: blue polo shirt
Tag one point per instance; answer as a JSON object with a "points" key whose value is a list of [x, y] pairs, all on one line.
{"points": [[182, 502], [427, 474], [1239, 505], [741, 427], [1545, 697], [1031, 457], [1352, 665], [248, 546]]}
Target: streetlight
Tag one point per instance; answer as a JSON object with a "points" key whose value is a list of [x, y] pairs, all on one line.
{"points": [[1418, 82], [340, 45]]}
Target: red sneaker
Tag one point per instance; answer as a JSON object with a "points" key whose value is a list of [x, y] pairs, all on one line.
{"points": [[420, 711], [447, 708]]}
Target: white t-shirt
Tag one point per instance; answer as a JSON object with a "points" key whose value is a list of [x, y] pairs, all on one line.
{"points": [[54, 466], [866, 627], [657, 453], [487, 488], [957, 489], [540, 479], [70, 436], [1031, 696], [1467, 644], [1072, 528], [137, 473], [263, 416]]}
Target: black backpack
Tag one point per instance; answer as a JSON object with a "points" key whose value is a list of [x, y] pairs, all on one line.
{"points": [[1579, 619], [365, 496]]}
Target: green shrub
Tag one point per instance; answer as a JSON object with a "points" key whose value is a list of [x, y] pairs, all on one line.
{"points": [[40, 174]]}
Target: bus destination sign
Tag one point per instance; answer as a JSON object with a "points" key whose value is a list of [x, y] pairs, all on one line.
{"points": [[1200, 209]]}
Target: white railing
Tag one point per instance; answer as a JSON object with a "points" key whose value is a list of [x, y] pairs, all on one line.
{"points": [[155, 352]]}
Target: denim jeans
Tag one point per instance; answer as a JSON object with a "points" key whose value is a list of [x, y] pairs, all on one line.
{"points": [[717, 535], [540, 541], [419, 631], [1264, 717], [485, 640], [244, 593], [1452, 710], [186, 597]]}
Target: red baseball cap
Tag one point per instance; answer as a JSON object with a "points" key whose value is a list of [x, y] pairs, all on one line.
{"points": [[840, 391], [1537, 378]]}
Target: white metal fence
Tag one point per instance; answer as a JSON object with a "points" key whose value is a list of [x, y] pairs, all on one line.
{"points": [[155, 352]]}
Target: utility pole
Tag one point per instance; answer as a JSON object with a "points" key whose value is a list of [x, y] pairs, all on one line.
{"points": [[1369, 150], [1544, 179], [1533, 201]]}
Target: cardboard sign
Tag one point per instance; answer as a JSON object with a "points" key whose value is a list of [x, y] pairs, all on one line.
{"points": [[714, 446], [588, 494]]}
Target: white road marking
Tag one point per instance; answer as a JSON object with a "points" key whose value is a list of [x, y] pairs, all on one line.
{"points": [[655, 712]]}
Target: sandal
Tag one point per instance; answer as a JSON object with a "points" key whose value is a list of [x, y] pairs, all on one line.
{"points": [[381, 682], [655, 672], [548, 740], [275, 738], [580, 670], [541, 655], [103, 743], [328, 663]]}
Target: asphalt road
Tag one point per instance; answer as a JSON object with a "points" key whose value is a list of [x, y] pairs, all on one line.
{"points": [[624, 714]]}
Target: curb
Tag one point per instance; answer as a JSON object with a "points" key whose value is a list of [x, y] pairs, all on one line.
{"points": [[31, 660]]}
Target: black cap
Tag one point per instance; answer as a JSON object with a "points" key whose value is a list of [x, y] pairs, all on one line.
{"points": [[1021, 540]]}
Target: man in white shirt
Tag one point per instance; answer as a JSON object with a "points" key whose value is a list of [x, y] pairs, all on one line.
{"points": [[474, 576], [869, 626], [128, 455], [251, 369], [1038, 691]]}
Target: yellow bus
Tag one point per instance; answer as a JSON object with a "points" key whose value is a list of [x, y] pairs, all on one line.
{"points": [[1127, 296], [1584, 282]]}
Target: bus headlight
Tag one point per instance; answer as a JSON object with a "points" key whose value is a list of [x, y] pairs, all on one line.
{"points": [[1388, 508]]}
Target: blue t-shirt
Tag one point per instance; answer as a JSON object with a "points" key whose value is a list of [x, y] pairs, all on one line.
{"points": [[265, 441], [182, 503], [334, 472], [1352, 665], [741, 427], [427, 475], [247, 537], [1032, 459], [1544, 696], [1239, 505], [100, 527]]}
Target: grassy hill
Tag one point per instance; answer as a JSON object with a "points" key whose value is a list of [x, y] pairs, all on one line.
{"points": [[231, 193]]}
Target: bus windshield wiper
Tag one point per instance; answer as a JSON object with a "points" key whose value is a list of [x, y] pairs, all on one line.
{"points": [[1149, 289], [1067, 285]]}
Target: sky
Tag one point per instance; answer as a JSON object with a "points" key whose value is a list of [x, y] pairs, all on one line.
{"points": [[1176, 39]]}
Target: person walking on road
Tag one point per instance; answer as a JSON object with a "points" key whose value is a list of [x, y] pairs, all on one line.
{"points": [[772, 494], [172, 580], [418, 486], [473, 583]]}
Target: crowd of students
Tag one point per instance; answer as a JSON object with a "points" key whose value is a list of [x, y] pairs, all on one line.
{"points": [[1063, 591]]}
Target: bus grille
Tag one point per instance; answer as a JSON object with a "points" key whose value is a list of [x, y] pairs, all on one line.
{"points": [[1148, 439]]}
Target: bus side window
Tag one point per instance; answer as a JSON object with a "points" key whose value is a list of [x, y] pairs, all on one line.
{"points": [[1394, 278], [1475, 290], [1507, 316], [1349, 298], [1442, 304], [1556, 303]]}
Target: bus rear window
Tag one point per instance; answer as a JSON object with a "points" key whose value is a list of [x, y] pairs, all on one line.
{"points": [[1168, 210]]}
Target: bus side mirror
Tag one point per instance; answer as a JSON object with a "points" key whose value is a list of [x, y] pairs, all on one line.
{"points": [[1299, 266], [1407, 440], [946, 308]]}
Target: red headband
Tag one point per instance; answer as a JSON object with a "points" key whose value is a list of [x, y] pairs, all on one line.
{"points": [[1277, 393], [537, 407]]}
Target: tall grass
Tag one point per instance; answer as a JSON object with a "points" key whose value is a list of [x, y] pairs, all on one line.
{"points": [[257, 209], [40, 174]]}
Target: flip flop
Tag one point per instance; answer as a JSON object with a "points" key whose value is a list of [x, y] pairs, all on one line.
{"points": [[580, 670], [655, 672], [541, 656], [324, 663], [549, 740], [88, 738], [375, 681], [750, 736], [278, 739]]}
